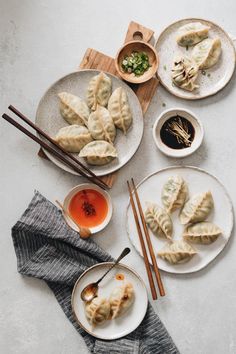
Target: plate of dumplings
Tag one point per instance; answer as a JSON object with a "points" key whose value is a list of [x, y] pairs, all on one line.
{"points": [[95, 116], [120, 306], [189, 215], [197, 58]]}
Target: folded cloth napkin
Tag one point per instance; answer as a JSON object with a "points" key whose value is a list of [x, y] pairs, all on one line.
{"points": [[48, 249]]}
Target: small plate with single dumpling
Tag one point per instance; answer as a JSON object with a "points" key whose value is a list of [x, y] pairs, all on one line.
{"points": [[108, 321], [76, 89], [210, 80], [188, 238]]}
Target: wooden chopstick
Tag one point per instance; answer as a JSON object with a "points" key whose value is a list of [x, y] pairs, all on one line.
{"points": [[146, 261], [149, 243], [50, 149], [47, 137]]}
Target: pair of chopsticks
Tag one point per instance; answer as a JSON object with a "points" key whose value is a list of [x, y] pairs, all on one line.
{"points": [[55, 150], [148, 241]]}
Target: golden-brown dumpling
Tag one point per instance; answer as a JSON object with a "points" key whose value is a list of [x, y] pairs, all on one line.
{"points": [[99, 91], [204, 232], [101, 125], [97, 311], [98, 152], [197, 208], [122, 297], [174, 193], [177, 252], [158, 220], [73, 137], [192, 33], [185, 73], [73, 109], [119, 109], [207, 53]]}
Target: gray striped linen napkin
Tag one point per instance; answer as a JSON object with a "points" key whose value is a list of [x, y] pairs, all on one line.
{"points": [[48, 249]]}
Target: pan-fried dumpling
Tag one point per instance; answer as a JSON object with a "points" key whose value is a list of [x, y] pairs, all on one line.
{"points": [[177, 252], [158, 221], [98, 152], [73, 137], [185, 73], [119, 109], [99, 91], [204, 232], [97, 311], [73, 109], [192, 33], [197, 208], [207, 53], [174, 193], [122, 297], [101, 125]]}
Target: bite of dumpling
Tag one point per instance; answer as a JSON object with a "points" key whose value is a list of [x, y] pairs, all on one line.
{"points": [[177, 252], [174, 193], [122, 297], [158, 220], [119, 109], [73, 109], [185, 73], [197, 208], [101, 126], [204, 232], [207, 53], [73, 137], [97, 311], [98, 152], [192, 33], [99, 91]]}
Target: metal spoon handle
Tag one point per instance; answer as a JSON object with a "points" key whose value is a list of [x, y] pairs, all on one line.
{"points": [[122, 255]]}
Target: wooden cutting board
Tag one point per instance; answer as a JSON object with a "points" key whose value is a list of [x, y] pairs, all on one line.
{"points": [[96, 60]]}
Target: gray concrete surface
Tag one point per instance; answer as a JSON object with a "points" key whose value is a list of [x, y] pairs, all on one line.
{"points": [[41, 41]]}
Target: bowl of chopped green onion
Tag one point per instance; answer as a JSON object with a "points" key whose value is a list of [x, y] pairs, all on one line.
{"points": [[136, 62]]}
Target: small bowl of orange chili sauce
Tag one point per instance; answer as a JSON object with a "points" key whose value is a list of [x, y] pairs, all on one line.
{"points": [[89, 205]]}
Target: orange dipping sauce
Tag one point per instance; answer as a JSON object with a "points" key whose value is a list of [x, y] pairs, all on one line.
{"points": [[88, 208]]}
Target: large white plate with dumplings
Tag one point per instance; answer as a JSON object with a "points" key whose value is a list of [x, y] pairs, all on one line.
{"points": [[126, 323], [49, 119], [215, 78], [198, 181]]}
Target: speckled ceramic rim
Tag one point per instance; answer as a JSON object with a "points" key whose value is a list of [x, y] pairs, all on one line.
{"points": [[213, 24], [96, 266], [226, 193], [83, 186], [153, 70], [98, 173], [177, 153]]}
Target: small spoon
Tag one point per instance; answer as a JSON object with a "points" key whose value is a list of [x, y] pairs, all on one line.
{"points": [[83, 231], [90, 291]]}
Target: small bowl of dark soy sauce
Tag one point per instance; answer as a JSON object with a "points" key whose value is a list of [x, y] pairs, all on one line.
{"points": [[178, 132]]}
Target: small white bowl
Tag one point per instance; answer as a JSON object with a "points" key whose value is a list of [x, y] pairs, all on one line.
{"points": [[198, 137], [74, 191]]}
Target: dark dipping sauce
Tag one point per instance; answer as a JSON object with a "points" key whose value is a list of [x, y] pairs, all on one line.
{"points": [[177, 133]]}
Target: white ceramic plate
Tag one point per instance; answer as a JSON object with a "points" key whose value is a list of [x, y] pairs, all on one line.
{"points": [[198, 181], [49, 119], [220, 74], [74, 191], [123, 325]]}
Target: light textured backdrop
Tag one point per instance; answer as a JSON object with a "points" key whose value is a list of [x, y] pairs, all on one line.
{"points": [[41, 41]]}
